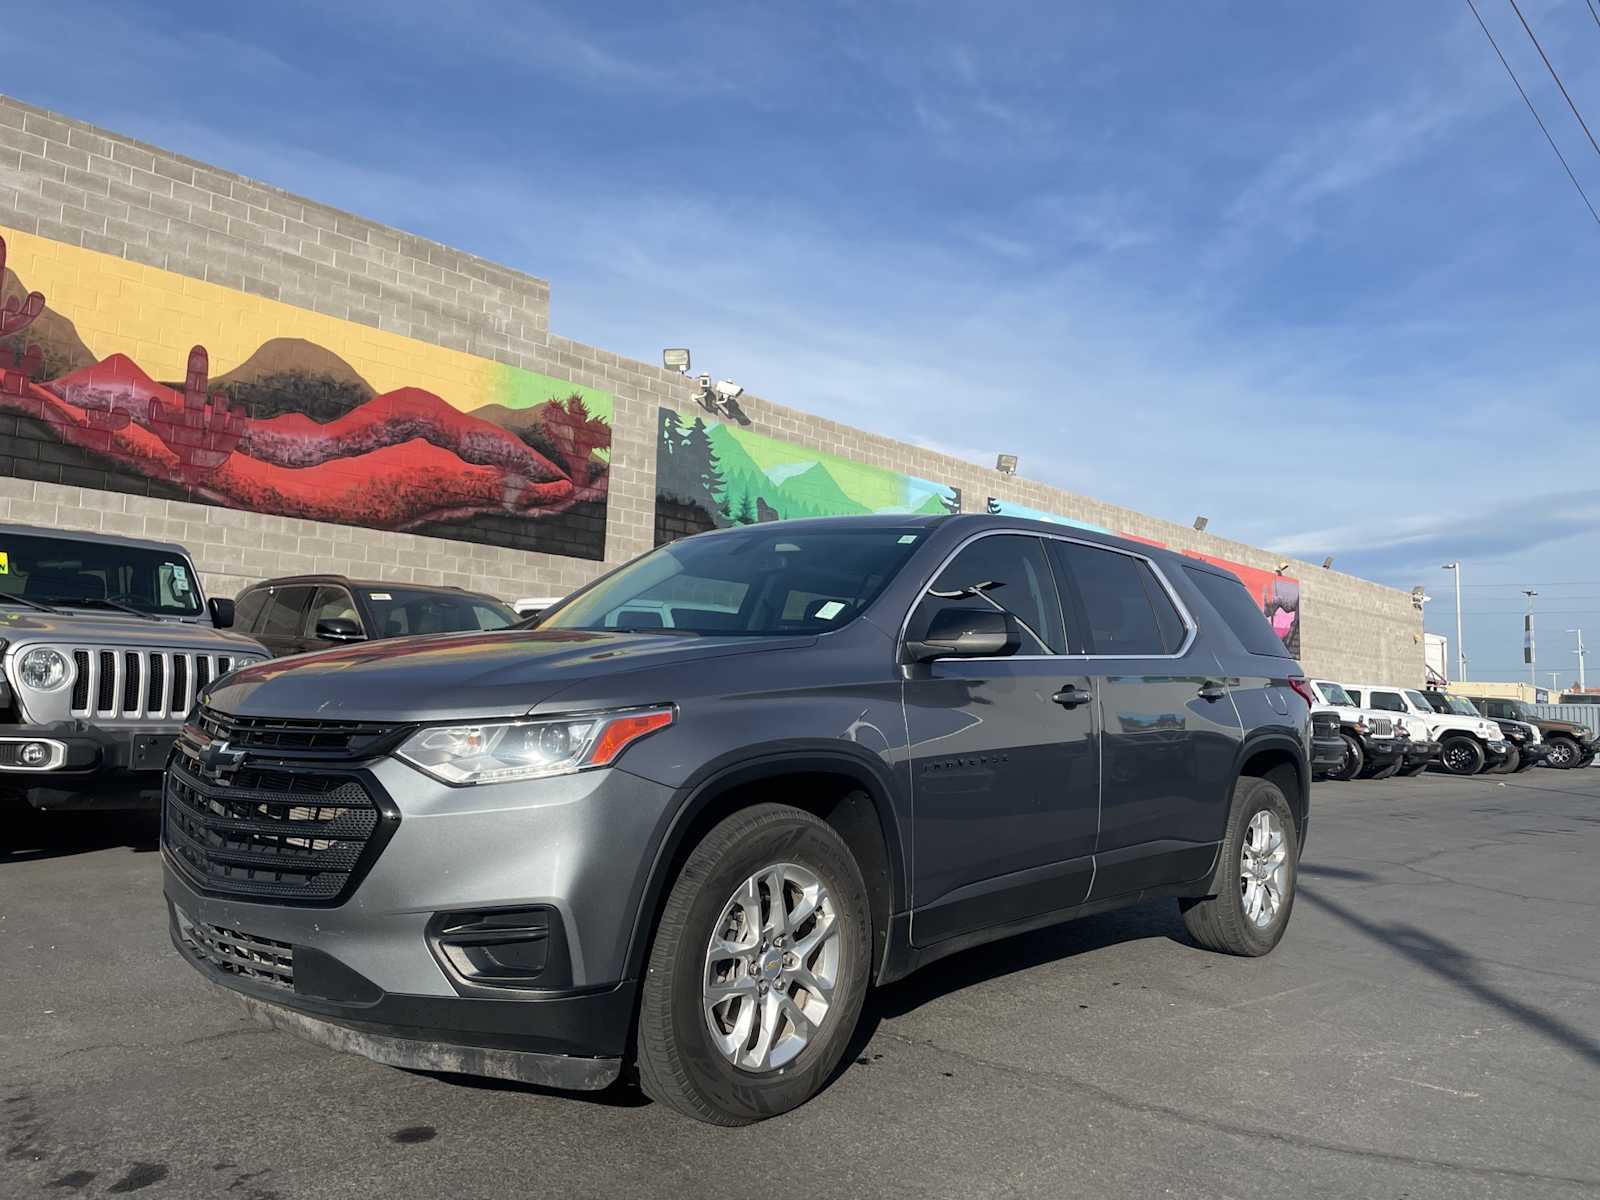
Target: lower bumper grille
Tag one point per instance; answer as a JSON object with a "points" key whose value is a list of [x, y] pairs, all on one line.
{"points": [[282, 835], [258, 959]]}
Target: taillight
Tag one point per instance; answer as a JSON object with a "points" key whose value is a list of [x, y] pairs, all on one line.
{"points": [[1302, 688]]}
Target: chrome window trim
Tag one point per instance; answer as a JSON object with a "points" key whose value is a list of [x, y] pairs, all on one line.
{"points": [[1191, 629]]}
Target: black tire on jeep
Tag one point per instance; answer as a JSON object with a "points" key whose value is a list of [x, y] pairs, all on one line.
{"points": [[1462, 755], [1386, 771], [1354, 760], [769, 900], [1261, 848], [1414, 769], [1565, 753], [1506, 765]]}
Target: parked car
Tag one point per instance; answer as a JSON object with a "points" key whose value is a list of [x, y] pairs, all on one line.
{"points": [[1419, 748], [1528, 747], [107, 641], [540, 853], [1568, 744], [301, 613], [1327, 743], [1368, 743], [1468, 742]]}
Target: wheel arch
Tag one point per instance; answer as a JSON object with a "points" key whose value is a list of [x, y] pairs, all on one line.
{"points": [[1282, 759], [821, 779]]}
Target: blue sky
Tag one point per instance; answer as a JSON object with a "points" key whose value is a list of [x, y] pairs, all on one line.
{"points": [[1308, 269]]}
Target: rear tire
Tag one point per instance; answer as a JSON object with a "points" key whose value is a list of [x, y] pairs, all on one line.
{"points": [[1507, 765], [1354, 760], [723, 933], [1255, 876], [1462, 755]]}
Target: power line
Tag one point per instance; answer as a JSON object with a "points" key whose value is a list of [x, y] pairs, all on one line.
{"points": [[1522, 584], [1554, 76], [1535, 112], [1595, 13]]}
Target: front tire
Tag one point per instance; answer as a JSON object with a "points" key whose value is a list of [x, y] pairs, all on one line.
{"points": [[1462, 755], [1564, 754], [1507, 765], [1354, 760], [1255, 876], [758, 969], [1414, 770]]}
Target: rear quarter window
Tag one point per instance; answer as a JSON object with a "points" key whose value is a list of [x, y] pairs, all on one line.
{"points": [[1239, 611]]}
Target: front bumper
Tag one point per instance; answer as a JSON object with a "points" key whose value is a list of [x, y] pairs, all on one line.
{"points": [[370, 974], [1497, 751], [1416, 752], [1382, 751], [1326, 754], [98, 768]]}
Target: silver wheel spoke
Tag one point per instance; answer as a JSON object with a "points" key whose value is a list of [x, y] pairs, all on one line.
{"points": [[824, 929], [1263, 869]]}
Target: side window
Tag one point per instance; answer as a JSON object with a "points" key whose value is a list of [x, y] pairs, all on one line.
{"points": [[1126, 609], [1015, 576], [331, 604], [1498, 708], [283, 612], [248, 608], [1242, 612], [1388, 702]]}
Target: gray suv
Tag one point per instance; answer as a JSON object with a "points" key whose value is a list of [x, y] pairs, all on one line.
{"points": [[554, 854]]}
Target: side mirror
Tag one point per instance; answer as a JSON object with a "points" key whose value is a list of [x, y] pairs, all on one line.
{"points": [[221, 612], [340, 629], [966, 633]]}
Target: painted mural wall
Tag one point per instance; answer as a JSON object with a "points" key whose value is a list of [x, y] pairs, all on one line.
{"points": [[126, 377], [1278, 595], [712, 473]]}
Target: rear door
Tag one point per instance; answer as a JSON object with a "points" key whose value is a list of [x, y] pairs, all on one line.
{"points": [[1169, 736], [1004, 755], [282, 622]]}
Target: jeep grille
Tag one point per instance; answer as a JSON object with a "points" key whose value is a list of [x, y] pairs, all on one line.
{"points": [[114, 684]]}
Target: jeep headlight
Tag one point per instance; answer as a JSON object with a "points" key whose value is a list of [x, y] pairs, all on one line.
{"points": [[44, 670], [504, 751]]}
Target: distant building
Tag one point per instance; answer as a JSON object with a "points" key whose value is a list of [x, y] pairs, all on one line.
{"points": [[1503, 691]]}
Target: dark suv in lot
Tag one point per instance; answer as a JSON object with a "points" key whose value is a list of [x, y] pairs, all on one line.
{"points": [[1568, 743], [302, 613], [863, 744]]}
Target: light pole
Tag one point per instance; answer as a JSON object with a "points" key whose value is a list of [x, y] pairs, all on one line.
{"points": [[1529, 651], [1581, 653], [1461, 649]]}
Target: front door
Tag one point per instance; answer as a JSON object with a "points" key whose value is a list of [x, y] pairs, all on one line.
{"points": [[1004, 755]]}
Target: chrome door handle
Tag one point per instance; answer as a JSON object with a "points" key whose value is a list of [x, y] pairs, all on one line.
{"points": [[1212, 690], [1071, 697]]}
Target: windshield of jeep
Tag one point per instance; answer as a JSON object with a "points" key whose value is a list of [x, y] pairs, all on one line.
{"points": [[67, 573], [1332, 693], [1456, 705], [765, 579]]}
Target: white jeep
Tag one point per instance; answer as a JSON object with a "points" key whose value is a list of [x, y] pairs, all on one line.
{"points": [[1371, 749], [1467, 744]]}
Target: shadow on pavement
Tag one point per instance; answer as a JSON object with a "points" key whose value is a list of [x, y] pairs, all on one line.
{"points": [[1450, 962], [27, 835]]}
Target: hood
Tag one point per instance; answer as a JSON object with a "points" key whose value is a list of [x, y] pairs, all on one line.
{"points": [[1575, 727], [464, 676], [20, 626]]}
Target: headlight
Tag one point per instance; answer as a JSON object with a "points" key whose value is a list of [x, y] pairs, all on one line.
{"points": [[502, 751], [44, 670], [1361, 726]]}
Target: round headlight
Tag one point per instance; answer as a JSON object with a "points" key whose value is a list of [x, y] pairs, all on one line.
{"points": [[43, 669]]}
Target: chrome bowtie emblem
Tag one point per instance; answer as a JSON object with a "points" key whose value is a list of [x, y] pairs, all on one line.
{"points": [[218, 761]]}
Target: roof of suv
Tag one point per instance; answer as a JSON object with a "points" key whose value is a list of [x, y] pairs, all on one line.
{"points": [[90, 535], [346, 581]]}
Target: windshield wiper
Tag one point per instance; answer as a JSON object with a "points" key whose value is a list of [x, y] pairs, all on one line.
{"points": [[102, 601], [30, 603]]}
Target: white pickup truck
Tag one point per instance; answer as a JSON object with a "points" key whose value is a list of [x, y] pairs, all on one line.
{"points": [[1467, 745]]}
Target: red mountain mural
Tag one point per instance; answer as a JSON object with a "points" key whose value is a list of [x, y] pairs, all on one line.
{"points": [[329, 450]]}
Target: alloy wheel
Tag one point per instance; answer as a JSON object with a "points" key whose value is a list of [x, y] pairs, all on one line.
{"points": [[1458, 758], [1263, 869], [1562, 753], [771, 967]]}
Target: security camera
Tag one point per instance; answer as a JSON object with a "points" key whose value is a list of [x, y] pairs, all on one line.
{"points": [[705, 383], [727, 389]]}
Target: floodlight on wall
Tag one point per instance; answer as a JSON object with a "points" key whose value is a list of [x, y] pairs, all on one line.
{"points": [[1283, 566], [1200, 524], [1327, 563], [676, 359], [1006, 464]]}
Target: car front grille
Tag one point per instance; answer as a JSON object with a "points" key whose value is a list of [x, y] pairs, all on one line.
{"points": [[1380, 726], [1325, 725], [115, 684], [353, 739], [246, 956], [284, 833]]}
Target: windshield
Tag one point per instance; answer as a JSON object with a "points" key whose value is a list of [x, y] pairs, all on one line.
{"points": [[1520, 711], [1429, 701], [397, 612], [66, 573], [761, 580], [1332, 693], [1456, 705]]}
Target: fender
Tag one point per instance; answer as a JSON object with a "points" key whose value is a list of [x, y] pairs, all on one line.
{"points": [[750, 764], [1277, 739]]}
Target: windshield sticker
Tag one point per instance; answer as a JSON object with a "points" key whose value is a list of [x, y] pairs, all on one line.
{"points": [[5, 563], [180, 580], [907, 539], [830, 610], [379, 596]]}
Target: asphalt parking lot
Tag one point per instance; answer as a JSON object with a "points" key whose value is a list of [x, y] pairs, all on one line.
{"points": [[1430, 1027]]}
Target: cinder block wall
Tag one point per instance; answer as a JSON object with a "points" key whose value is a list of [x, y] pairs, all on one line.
{"points": [[88, 187]]}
